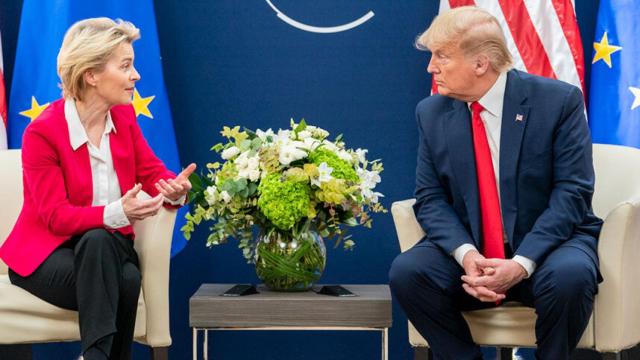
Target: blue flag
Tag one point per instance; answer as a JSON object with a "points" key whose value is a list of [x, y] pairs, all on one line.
{"points": [[35, 82], [614, 98]]}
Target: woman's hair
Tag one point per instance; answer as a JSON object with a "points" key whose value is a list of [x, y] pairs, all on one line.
{"points": [[473, 30], [88, 45]]}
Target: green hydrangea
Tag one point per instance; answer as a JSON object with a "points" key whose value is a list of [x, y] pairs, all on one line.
{"points": [[284, 203], [341, 169]]}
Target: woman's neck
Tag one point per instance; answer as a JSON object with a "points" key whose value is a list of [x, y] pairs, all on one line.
{"points": [[92, 113]]}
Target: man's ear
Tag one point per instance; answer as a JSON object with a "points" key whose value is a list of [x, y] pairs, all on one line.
{"points": [[481, 64]]}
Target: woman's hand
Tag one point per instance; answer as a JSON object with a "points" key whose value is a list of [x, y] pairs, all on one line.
{"points": [[174, 189], [136, 209]]}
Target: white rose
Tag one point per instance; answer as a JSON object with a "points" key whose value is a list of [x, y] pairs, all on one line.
{"points": [[225, 196], [304, 134], [212, 195], [289, 153], [344, 155], [230, 152]]}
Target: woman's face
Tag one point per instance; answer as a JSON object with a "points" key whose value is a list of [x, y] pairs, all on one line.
{"points": [[115, 83]]}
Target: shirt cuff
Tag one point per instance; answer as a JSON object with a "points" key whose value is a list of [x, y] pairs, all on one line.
{"points": [[114, 216], [178, 202], [461, 251], [528, 264]]}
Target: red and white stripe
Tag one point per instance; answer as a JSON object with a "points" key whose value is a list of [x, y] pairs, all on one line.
{"points": [[542, 35], [3, 105]]}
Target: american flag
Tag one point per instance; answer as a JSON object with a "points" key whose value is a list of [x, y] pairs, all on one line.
{"points": [[542, 35], [3, 105]]}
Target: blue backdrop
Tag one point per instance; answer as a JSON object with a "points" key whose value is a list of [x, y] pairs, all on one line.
{"points": [[235, 62]]}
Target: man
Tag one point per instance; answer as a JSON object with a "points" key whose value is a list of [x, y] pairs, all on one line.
{"points": [[504, 182]]}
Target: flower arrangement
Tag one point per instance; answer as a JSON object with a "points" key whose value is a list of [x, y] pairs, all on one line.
{"points": [[291, 181]]}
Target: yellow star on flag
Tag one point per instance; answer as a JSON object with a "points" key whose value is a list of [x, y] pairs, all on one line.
{"points": [[141, 105], [36, 109], [604, 50]]}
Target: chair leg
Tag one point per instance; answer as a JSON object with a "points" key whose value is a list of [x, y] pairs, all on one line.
{"points": [[422, 353], [160, 353], [504, 353], [16, 352], [612, 356]]}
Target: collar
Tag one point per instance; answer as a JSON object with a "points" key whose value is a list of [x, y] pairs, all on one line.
{"points": [[77, 133], [493, 100]]}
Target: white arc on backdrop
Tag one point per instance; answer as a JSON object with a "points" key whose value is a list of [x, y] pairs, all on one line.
{"points": [[319, 29]]}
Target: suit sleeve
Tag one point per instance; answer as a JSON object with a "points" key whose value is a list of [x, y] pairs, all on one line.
{"points": [[149, 169], [433, 211], [573, 181], [44, 179]]}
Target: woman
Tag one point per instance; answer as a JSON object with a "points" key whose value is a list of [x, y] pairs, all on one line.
{"points": [[84, 163]]}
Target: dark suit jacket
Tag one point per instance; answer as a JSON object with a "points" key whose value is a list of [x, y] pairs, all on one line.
{"points": [[546, 170]]}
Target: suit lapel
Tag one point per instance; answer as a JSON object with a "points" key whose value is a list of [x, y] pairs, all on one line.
{"points": [[460, 145], [515, 114]]}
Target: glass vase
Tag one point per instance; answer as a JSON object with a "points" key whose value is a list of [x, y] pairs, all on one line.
{"points": [[286, 262]]}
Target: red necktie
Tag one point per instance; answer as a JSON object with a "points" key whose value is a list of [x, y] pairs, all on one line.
{"points": [[492, 240]]}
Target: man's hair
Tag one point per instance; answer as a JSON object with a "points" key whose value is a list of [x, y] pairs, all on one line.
{"points": [[471, 29], [88, 45]]}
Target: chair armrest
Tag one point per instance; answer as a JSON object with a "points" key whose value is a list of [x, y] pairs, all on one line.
{"points": [[617, 308], [407, 227], [153, 245]]}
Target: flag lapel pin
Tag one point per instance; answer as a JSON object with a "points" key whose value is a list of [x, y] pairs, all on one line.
{"points": [[519, 117]]}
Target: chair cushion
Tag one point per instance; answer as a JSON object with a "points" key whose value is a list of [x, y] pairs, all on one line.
{"points": [[508, 325], [24, 318]]}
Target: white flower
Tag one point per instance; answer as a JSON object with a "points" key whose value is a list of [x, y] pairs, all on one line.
{"points": [[344, 155], [248, 167], [230, 152], [283, 137], [368, 179], [371, 196], [324, 174], [211, 195], [264, 135], [289, 153], [225, 196], [361, 155], [304, 134], [329, 146], [317, 132]]}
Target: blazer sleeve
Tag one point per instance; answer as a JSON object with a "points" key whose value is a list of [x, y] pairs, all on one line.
{"points": [[433, 211], [43, 176], [573, 182], [149, 169]]}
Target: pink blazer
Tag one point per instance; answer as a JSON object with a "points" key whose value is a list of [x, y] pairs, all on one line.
{"points": [[58, 188]]}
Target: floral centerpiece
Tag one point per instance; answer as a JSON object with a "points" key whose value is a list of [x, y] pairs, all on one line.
{"points": [[294, 186]]}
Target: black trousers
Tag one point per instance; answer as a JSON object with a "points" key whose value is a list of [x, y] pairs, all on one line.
{"points": [[96, 274]]}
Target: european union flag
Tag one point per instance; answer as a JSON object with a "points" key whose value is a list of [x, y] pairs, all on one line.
{"points": [[35, 82], [614, 106]]}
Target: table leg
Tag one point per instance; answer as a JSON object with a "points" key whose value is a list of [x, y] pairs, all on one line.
{"points": [[205, 350], [385, 343], [195, 344]]}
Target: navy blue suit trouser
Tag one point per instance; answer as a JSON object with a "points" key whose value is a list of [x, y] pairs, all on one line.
{"points": [[426, 282]]}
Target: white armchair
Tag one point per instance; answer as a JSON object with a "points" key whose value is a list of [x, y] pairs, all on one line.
{"points": [[26, 319], [614, 325]]}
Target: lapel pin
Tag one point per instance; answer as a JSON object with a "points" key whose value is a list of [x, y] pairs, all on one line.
{"points": [[519, 117]]}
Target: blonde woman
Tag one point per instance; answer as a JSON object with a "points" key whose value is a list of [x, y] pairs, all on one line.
{"points": [[84, 161]]}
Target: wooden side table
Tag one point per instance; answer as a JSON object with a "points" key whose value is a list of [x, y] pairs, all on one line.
{"points": [[268, 310]]}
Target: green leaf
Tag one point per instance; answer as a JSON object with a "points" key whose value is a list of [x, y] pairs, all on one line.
{"points": [[301, 126], [217, 147]]}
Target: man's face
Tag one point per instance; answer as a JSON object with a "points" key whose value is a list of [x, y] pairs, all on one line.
{"points": [[453, 73]]}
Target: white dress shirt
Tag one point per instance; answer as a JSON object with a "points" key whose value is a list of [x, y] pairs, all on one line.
{"points": [[491, 116], [106, 188]]}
